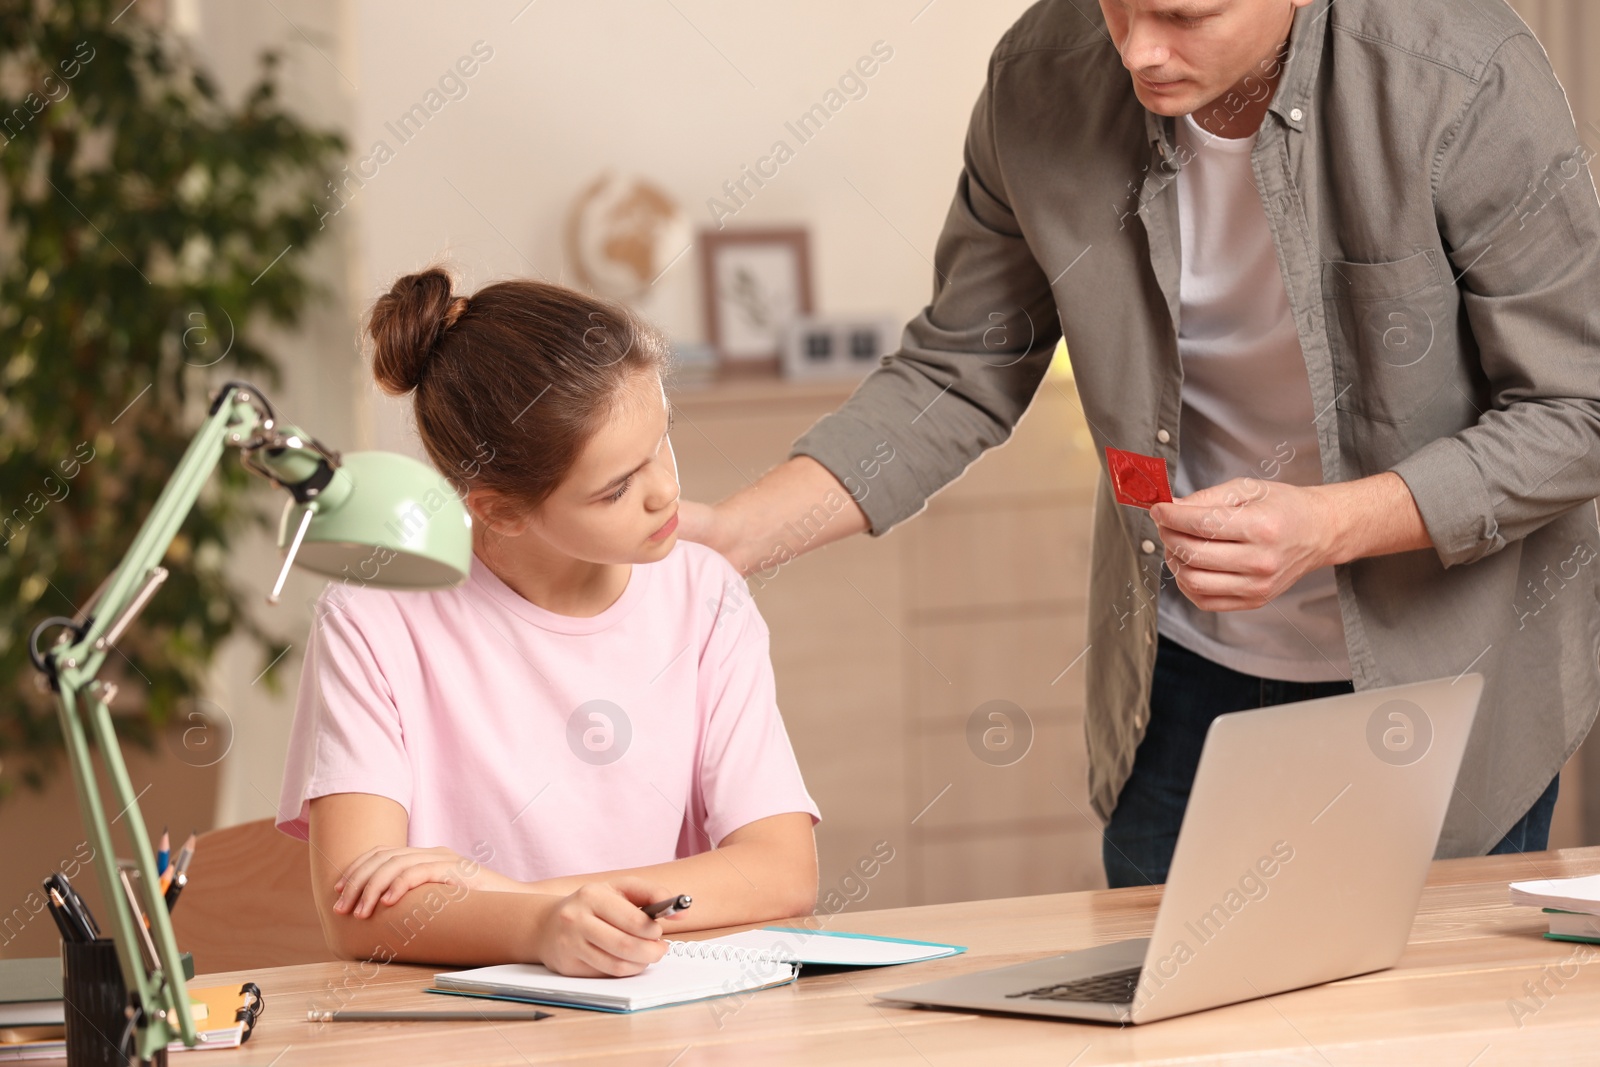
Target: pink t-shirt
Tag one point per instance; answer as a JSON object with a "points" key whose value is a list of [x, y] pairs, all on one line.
{"points": [[555, 745]]}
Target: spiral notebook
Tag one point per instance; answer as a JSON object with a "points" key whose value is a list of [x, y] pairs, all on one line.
{"points": [[694, 970]]}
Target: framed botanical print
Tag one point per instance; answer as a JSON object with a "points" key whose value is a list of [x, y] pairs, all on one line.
{"points": [[757, 282]]}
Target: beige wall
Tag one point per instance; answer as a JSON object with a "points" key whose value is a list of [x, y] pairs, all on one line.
{"points": [[1569, 30], [687, 94]]}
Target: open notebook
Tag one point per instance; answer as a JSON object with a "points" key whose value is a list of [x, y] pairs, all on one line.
{"points": [[1580, 894], [694, 970]]}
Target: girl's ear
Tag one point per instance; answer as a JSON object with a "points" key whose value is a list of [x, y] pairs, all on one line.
{"points": [[498, 513]]}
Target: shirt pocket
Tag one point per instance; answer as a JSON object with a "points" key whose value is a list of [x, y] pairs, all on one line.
{"points": [[1391, 333]]}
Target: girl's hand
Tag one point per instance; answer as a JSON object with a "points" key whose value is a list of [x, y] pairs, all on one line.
{"points": [[600, 931], [384, 875]]}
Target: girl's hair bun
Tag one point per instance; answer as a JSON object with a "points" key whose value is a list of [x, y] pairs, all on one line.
{"points": [[476, 365], [406, 324]]}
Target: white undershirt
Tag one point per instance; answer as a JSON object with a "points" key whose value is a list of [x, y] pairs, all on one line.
{"points": [[1246, 408]]}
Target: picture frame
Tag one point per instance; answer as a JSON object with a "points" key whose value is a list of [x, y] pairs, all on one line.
{"points": [[756, 282]]}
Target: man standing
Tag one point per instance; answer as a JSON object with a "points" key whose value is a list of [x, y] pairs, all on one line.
{"points": [[1336, 264]]}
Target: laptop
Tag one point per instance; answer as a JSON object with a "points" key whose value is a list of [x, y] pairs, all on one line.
{"points": [[1300, 860]]}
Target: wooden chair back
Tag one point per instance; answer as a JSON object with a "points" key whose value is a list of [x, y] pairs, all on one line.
{"points": [[248, 903]]}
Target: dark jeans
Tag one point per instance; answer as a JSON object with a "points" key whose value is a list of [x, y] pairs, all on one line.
{"points": [[1189, 691]]}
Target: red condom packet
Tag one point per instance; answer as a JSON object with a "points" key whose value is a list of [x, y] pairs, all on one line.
{"points": [[1138, 480]]}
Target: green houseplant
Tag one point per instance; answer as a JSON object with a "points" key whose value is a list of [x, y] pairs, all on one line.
{"points": [[147, 224]]}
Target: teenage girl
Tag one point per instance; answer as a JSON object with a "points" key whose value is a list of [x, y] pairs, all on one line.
{"points": [[506, 771]]}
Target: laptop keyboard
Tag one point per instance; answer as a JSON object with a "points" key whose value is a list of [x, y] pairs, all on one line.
{"points": [[1114, 988]]}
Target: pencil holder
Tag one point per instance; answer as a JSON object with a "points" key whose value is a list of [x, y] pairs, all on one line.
{"points": [[96, 1003]]}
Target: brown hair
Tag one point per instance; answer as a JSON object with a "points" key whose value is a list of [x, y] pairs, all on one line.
{"points": [[510, 382]]}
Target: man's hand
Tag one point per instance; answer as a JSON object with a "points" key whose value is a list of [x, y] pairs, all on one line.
{"points": [[384, 875], [601, 932], [793, 508], [1238, 545], [716, 527], [701, 524]]}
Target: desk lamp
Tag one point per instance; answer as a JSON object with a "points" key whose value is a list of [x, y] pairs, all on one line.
{"points": [[378, 518]]}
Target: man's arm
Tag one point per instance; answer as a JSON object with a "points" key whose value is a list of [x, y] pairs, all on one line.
{"points": [[764, 524], [1238, 545], [1516, 207], [1374, 516]]}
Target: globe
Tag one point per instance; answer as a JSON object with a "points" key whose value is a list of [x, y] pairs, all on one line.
{"points": [[622, 233]]}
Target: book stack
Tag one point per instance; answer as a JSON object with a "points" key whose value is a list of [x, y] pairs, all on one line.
{"points": [[32, 1015], [1572, 906]]}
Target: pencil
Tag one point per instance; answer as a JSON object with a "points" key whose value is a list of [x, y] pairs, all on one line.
{"points": [[185, 854], [510, 1016]]}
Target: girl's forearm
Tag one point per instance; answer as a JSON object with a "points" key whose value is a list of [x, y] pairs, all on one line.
{"points": [[444, 924], [735, 884]]}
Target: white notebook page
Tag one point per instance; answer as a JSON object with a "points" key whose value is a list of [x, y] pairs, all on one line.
{"points": [[672, 980]]}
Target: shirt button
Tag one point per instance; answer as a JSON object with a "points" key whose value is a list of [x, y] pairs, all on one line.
{"points": [[1163, 436], [1149, 638], [1296, 114], [1147, 546]]}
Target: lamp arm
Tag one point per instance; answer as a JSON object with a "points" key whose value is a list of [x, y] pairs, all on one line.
{"points": [[314, 476], [72, 664]]}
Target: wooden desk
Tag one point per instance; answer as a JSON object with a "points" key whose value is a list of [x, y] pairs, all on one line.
{"points": [[1446, 1002]]}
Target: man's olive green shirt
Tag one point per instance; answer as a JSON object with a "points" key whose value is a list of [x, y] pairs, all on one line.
{"points": [[1439, 238]]}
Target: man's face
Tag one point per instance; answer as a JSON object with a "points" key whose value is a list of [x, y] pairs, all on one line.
{"points": [[1183, 54]]}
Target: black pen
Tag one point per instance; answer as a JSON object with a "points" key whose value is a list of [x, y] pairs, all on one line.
{"points": [[75, 901], [662, 909], [77, 910], [178, 882], [58, 912]]}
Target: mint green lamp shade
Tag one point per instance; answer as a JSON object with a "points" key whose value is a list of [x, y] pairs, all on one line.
{"points": [[385, 520]]}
